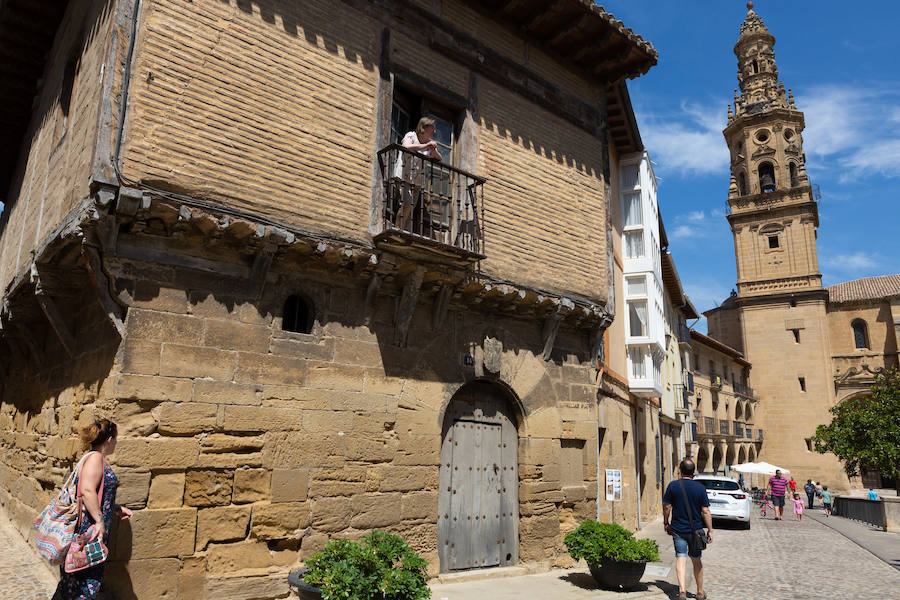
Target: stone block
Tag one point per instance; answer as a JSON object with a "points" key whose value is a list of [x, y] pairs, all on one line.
{"points": [[402, 479], [415, 449], [419, 420], [232, 558], [234, 335], [207, 488], [295, 396], [312, 543], [192, 578], [327, 421], [184, 418], [419, 505], [357, 353], [157, 533], [253, 587], [159, 298], [143, 578], [376, 382], [221, 442], [197, 361], [372, 448], [371, 511], [262, 418], [250, 485], [330, 514], [157, 453], [543, 423], [270, 369], [310, 350], [222, 524], [225, 392], [290, 485], [138, 357], [154, 326], [279, 521], [374, 422], [329, 376], [145, 387], [166, 490], [289, 450]]}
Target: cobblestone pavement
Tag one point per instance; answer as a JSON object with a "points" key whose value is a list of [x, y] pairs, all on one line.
{"points": [[22, 576], [790, 560]]}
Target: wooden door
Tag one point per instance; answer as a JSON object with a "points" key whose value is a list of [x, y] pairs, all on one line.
{"points": [[478, 504]]}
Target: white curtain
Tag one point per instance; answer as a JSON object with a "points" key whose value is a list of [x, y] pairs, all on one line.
{"points": [[637, 318], [633, 209], [638, 368], [634, 244]]}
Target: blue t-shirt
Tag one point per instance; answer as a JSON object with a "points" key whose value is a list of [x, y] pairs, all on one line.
{"points": [[696, 494]]}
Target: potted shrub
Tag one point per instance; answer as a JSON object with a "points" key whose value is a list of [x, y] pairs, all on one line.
{"points": [[616, 559], [380, 567]]}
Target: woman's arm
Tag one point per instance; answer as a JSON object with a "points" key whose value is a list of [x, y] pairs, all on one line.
{"points": [[89, 481]]}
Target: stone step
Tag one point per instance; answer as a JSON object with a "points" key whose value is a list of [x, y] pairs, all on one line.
{"points": [[480, 574]]}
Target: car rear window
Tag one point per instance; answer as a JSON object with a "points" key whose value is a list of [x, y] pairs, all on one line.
{"points": [[716, 484]]}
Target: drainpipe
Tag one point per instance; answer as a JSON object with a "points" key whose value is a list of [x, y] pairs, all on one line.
{"points": [[637, 459]]}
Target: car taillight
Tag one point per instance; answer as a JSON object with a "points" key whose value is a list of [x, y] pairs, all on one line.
{"points": [[740, 496]]}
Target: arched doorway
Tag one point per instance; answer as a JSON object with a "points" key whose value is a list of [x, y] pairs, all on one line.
{"points": [[478, 502], [702, 460], [751, 454], [729, 455], [742, 456]]}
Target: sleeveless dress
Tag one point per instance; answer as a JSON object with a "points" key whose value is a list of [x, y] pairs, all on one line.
{"points": [[84, 584]]}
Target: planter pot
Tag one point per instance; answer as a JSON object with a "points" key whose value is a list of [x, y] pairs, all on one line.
{"points": [[618, 575], [306, 591]]}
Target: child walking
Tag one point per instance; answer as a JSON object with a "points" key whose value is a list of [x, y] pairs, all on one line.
{"points": [[826, 500], [798, 507]]}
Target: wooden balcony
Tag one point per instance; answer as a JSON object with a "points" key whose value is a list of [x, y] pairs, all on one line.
{"points": [[430, 209]]}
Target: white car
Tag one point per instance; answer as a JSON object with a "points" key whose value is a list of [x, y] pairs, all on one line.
{"points": [[726, 498]]}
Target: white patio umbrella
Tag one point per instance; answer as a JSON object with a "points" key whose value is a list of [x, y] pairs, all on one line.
{"points": [[763, 468]]}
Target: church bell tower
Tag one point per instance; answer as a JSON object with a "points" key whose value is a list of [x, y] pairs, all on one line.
{"points": [[772, 212]]}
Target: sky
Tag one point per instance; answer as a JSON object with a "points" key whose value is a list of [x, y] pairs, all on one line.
{"points": [[840, 59]]}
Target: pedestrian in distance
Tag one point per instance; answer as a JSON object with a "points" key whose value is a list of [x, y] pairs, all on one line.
{"points": [[777, 486], [818, 490], [798, 507], [873, 495], [685, 512], [826, 500], [98, 485], [810, 489], [793, 485]]}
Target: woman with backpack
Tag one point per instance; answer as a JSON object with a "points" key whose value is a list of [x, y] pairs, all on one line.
{"points": [[97, 488]]}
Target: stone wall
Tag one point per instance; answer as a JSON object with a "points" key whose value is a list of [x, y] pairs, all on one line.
{"points": [[243, 448]]}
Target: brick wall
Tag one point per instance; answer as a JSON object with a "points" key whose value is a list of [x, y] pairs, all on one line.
{"points": [[53, 174]]}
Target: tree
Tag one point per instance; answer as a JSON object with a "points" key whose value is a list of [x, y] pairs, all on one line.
{"points": [[866, 431]]}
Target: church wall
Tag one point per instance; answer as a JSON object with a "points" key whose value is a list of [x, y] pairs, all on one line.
{"points": [[788, 415]]}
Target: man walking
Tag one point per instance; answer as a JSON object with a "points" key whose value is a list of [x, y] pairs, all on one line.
{"points": [[686, 509], [810, 489], [777, 486]]}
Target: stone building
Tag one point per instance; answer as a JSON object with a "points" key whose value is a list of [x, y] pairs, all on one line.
{"points": [[810, 346], [204, 240], [725, 407]]}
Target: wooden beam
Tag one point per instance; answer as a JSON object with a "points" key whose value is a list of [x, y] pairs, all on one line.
{"points": [[104, 293], [551, 328], [54, 316], [441, 305], [406, 308]]}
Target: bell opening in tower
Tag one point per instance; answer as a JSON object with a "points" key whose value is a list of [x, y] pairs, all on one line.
{"points": [[766, 178]]}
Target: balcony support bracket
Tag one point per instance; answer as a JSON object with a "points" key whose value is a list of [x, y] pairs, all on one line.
{"points": [[406, 307], [441, 305], [372, 297], [551, 328]]}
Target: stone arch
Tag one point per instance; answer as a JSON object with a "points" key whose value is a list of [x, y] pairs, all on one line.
{"points": [[738, 410], [742, 455], [478, 496], [742, 183], [766, 172], [748, 412], [717, 458], [702, 459], [730, 455], [792, 175], [751, 453]]}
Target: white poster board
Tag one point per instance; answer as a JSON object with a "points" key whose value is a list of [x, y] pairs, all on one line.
{"points": [[613, 485]]}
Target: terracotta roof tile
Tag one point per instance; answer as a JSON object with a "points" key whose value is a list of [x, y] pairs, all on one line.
{"points": [[867, 288]]}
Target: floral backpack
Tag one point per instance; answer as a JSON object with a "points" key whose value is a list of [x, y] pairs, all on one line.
{"points": [[56, 524]]}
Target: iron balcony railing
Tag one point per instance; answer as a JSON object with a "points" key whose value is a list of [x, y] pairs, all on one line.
{"points": [[738, 429], [744, 390], [689, 381], [709, 425], [429, 199], [724, 427], [715, 380], [684, 334], [693, 432]]}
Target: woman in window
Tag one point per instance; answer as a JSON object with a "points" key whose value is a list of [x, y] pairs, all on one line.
{"points": [[419, 141]]}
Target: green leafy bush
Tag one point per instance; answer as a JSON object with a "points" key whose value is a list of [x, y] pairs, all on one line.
{"points": [[595, 542], [381, 567]]}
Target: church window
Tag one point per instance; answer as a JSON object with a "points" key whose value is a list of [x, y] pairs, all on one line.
{"points": [[792, 174], [860, 334], [788, 134], [755, 66], [742, 183], [297, 315], [766, 178], [762, 136], [773, 241]]}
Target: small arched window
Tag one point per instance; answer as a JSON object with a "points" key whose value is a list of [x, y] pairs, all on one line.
{"points": [[297, 315], [792, 174], [766, 178], [860, 334], [755, 67], [742, 184]]}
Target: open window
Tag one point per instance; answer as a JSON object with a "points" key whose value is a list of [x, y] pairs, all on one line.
{"points": [[792, 175], [766, 178], [297, 315], [742, 183]]}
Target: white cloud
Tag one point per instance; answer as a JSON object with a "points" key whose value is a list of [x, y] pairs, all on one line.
{"points": [[696, 217], [683, 231], [852, 262], [688, 141]]}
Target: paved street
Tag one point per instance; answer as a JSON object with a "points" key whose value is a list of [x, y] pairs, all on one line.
{"points": [[22, 576], [775, 560]]}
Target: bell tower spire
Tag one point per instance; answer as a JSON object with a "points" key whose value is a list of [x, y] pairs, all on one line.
{"points": [[773, 214]]}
